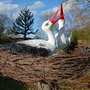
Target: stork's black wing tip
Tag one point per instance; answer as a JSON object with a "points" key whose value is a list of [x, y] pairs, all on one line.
{"points": [[26, 49]]}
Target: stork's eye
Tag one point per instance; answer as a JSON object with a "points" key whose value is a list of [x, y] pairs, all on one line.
{"points": [[46, 24]]}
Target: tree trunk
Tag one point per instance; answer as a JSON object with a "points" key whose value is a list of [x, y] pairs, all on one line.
{"points": [[24, 36], [42, 85]]}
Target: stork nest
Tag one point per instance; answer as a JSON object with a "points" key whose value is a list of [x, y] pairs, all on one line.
{"points": [[72, 63]]}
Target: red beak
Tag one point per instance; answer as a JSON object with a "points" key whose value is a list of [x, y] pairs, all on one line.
{"points": [[61, 12], [53, 20]]}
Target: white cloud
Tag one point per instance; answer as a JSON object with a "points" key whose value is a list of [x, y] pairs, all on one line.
{"points": [[32, 7], [5, 7], [8, 8], [37, 4]]}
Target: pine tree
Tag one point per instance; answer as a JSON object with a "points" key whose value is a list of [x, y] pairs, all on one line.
{"points": [[24, 23]]}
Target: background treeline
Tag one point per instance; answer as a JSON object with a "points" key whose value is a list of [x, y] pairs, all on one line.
{"points": [[83, 33]]}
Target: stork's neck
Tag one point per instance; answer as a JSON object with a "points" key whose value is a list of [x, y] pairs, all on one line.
{"points": [[61, 24], [61, 33], [51, 38], [61, 27]]}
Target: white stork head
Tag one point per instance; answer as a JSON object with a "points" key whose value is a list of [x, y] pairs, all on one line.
{"points": [[47, 25]]}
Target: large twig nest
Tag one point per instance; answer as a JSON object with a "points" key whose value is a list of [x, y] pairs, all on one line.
{"points": [[29, 68]]}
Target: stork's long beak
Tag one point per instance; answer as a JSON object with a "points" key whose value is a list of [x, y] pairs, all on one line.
{"points": [[53, 20], [61, 12]]}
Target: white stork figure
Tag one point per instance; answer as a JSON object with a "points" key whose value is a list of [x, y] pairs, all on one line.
{"points": [[42, 47], [62, 38]]}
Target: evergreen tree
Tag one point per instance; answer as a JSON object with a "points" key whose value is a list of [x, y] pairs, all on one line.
{"points": [[24, 23]]}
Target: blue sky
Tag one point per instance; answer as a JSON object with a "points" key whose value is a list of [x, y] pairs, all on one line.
{"points": [[37, 7]]}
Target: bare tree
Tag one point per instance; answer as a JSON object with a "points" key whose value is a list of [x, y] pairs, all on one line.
{"points": [[79, 14], [1, 28], [9, 26], [5, 24]]}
